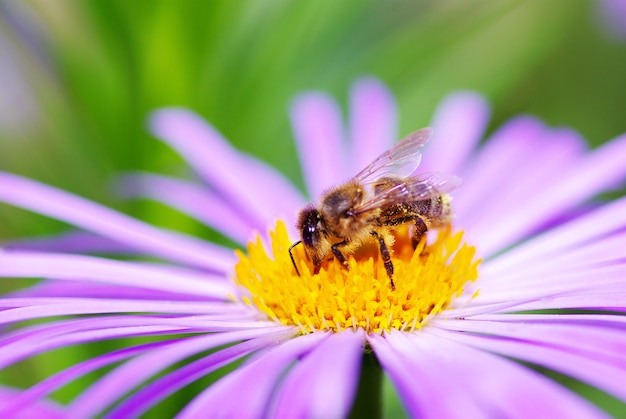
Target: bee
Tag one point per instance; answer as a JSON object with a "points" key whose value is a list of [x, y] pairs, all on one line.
{"points": [[382, 196]]}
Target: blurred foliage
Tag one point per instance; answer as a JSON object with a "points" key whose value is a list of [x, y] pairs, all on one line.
{"points": [[86, 73]]}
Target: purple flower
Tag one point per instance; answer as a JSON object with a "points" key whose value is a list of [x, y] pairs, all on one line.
{"points": [[524, 208]]}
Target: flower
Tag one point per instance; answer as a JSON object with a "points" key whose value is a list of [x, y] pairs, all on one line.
{"points": [[524, 207]]}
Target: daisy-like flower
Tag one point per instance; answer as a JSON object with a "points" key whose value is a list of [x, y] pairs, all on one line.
{"points": [[530, 275]]}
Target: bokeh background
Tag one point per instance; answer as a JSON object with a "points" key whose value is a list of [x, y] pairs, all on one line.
{"points": [[79, 77]]}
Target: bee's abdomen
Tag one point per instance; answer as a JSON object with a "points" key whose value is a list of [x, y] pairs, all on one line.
{"points": [[434, 212], [437, 210]]}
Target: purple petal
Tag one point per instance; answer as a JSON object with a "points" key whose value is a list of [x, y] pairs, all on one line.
{"points": [[597, 372], [61, 329], [600, 343], [116, 384], [191, 199], [255, 188], [160, 388], [597, 223], [324, 384], [602, 169], [318, 130], [253, 382], [424, 391], [83, 289], [274, 190], [29, 342], [615, 301], [91, 268], [46, 339], [53, 383], [458, 126], [590, 300], [560, 149], [502, 388], [49, 307], [41, 409], [373, 124], [604, 320], [529, 286], [61, 205], [491, 169], [579, 258], [72, 242]]}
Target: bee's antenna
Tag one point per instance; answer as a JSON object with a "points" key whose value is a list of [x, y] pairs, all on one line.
{"points": [[291, 255]]}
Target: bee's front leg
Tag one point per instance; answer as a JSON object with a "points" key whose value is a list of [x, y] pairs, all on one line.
{"points": [[419, 231], [338, 255], [384, 253]]}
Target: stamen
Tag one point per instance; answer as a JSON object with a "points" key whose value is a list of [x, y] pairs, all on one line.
{"points": [[426, 279]]}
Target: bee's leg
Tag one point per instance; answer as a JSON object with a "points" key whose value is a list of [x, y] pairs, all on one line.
{"points": [[419, 230], [384, 253], [338, 255]]}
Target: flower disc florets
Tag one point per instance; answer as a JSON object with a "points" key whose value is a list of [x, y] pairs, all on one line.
{"points": [[336, 299]]}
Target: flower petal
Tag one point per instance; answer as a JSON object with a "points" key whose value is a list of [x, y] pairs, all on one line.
{"points": [[253, 382], [589, 301], [158, 389], [26, 343], [490, 169], [316, 122], [373, 124], [43, 388], [598, 372], [41, 409], [502, 387], [71, 242], [48, 338], [84, 289], [458, 126], [530, 286], [579, 232], [324, 384], [34, 308], [560, 150], [121, 380], [603, 320], [607, 251], [254, 187], [424, 391], [191, 199], [603, 168], [91, 268], [26, 193], [592, 340]]}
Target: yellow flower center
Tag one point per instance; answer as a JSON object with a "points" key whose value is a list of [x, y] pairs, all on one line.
{"points": [[426, 280]]}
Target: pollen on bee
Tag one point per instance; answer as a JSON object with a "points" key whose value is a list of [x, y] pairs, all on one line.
{"points": [[427, 279]]}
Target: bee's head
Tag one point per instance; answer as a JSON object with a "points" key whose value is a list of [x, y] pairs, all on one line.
{"points": [[313, 234]]}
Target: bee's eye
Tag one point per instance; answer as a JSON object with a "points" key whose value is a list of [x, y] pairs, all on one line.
{"points": [[310, 227], [309, 234]]}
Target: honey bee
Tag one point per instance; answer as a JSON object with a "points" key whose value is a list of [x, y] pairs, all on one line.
{"points": [[382, 196]]}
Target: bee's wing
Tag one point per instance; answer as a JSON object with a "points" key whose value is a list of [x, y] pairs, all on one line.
{"points": [[399, 161], [415, 188]]}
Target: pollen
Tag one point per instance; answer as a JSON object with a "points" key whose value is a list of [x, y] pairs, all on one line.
{"points": [[427, 279]]}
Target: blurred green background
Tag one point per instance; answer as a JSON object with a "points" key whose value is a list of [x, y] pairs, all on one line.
{"points": [[78, 77]]}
